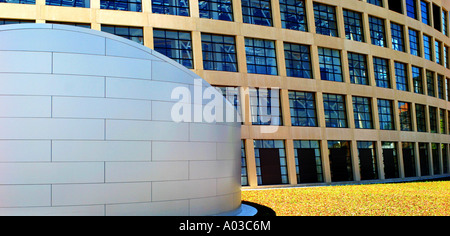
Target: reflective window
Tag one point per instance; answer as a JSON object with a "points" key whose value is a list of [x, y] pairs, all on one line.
{"points": [[308, 161], [377, 31], [298, 60], [10, 22], [82, 25], [216, 9], [132, 33], [433, 119], [330, 64], [353, 26], [438, 51], [358, 68], [440, 82], [444, 22], [244, 174], [265, 153], [261, 56], [19, 1], [69, 3], [122, 5], [414, 47], [171, 7], [421, 118], [176, 45], [411, 8], [381, 71], [232, 95], [265, 106], [219, 52], [386, 114], [442, 123], [401, 76], [303, 109], [257, 12], [417, 80], [376, 2], [424, 8], [404, 110], [398, 42], [335, 111], [325, 18], [430, 84], [427, 48], [293, 15], [362, 110]]}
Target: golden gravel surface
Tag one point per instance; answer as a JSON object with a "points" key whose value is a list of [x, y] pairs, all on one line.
{"points": [[403, 199]]}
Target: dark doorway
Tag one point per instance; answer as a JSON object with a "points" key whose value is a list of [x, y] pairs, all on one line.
{"points": [[270, 166], [366, 164], [307, 165], [390, 166], [339, 165], [408, 162], [424, 163]]}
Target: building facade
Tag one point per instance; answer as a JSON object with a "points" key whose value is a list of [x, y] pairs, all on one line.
{"points": [[329, 91]]}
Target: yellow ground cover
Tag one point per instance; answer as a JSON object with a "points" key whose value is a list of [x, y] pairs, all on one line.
{"points": [[404, 199]]}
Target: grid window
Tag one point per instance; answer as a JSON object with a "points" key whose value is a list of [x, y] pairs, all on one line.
{"points": [[440, 82], [132, 33], [308, 161], [424, 8], [330, 64], [176, 45], [261, 56], [417, 80], [216, 9], [303, 109], [219, 52], [411, 8], [377, 31], [122, 5], [367, 160], [401, 76], [293, 15], [376, 2], [69, 3], [244, 173], [414, 47], [438, 52], [381, 71], [444, 22], [82, 25], [421, 118], [257, 12], [10, 22], [362, 111], [265, 106], [386, 114], [358, 68], [335, 111], [298, 60], [398, 42], [20, 1], [270, 144], [404, 110], [171, 7], [446, 59], [353, 26], [427, 48], [325, 18], [430, 84], [433, 119], [442, 121]]}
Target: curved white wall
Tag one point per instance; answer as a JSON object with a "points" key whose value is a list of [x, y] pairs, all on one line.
{"points": [[86, 129]]}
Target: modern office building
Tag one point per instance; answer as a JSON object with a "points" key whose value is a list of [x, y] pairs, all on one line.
{"points": [[329, 91]]}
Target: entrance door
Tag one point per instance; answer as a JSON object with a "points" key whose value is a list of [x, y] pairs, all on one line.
{"points": [[424, 165], [408, 163], [390, 171], [307, 165], [270, 166], [366, 164], [339, 165]]}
